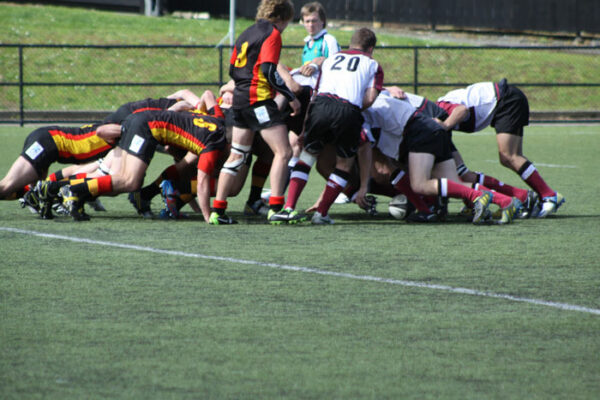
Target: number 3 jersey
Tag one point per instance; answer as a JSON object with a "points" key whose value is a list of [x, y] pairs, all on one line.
{"points": [[258, 44], [348, 74]]}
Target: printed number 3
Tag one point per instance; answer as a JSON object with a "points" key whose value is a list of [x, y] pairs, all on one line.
{"points": [[242, 59], [205, 124]]}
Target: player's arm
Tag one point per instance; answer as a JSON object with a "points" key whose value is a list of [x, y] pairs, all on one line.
{"points": [[203, 190], [287, 79], [313, 66], [369, 97], [396, 92], [457, 115], [206, 165], [181, 105], [269, 70], [365, 159], [109, 132], [203, 103], [228, 87]]}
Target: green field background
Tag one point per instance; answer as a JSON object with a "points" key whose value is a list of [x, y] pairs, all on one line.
{"points": [[363, 309], [85, 320], [31, 24]]}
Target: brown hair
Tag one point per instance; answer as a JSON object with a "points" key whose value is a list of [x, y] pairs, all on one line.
{"points": [[275, 10], [363, 39], [317, 7]]}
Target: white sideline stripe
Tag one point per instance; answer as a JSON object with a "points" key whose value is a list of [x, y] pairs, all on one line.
{"points": [[459, 290], [542, 164]]}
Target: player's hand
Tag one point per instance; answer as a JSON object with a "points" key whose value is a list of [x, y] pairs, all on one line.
{"points": [[361, 199], [307, 70], [295, 105], [227, 98], [442, 123], [396, 92]]}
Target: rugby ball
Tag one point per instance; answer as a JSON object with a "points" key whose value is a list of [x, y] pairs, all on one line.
{"points": [[398, 206]]}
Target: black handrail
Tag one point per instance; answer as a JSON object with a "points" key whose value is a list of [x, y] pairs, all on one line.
{"points": [[415, 83]]}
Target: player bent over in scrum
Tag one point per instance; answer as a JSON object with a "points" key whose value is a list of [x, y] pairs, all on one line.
{"points": [[506, 108], [50, 144], [141, 134], [424, 145]]}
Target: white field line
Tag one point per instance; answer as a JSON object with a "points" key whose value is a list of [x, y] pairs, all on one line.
{"points": [[541, 164], [451, 289], [492, 132]]}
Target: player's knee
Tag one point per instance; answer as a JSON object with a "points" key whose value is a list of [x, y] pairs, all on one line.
{"points": [[419, 187], [284, 153], [506, 159], [238, 156]]}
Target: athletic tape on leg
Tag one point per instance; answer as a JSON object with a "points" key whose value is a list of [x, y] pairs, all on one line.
{"points": [[234, 166]]}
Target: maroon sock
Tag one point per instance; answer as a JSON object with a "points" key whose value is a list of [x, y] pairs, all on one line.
{"points": [[533, 178], [335, 184]]}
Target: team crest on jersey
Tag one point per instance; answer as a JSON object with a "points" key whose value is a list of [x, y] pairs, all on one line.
{"points": [[34, 150]]}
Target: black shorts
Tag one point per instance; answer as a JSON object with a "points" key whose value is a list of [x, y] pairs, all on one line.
{"points": [[512, 112], [452, 146], [424, 135], [137, 139], [432, 110], [296, 123], [40, 149], [332, 120], [259, 116]]}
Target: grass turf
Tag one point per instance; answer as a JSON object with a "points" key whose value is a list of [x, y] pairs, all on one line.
{"points": [[89, 320]]}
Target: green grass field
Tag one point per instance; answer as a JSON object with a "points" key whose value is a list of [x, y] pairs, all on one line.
{"points": [[369, 308], [31, 24], [121, 307]]}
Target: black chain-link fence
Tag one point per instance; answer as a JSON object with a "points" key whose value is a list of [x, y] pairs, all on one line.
{"points": [[66, 83]]}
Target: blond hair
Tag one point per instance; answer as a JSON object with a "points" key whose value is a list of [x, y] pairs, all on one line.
{"points": [[275, 10], [317, 7]]}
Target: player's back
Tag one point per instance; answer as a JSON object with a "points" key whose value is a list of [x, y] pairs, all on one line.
{"points": [[258, 44], [348, 74]]}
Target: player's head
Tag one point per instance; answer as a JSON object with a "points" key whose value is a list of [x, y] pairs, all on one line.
{"points": [[276, 11], [313, 14], [363, 39]]}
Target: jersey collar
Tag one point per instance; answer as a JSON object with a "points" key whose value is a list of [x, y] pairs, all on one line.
{"points": [[317, 36]]}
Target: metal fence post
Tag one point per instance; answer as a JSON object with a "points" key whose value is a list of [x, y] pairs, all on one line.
{"points": [[220, 65], [21, 105], [416, 70]]}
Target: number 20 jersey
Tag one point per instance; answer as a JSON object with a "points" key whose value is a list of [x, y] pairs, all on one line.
{"points": [[348, 74]]}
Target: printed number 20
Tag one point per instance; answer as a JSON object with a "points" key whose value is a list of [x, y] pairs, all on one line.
{"points": [[351, 66]]}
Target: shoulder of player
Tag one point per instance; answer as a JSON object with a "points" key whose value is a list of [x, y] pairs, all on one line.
{"points": [[261, 28]]}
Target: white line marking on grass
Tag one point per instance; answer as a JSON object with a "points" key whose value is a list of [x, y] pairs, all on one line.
{"points": [[451, 289], [542, 164]]}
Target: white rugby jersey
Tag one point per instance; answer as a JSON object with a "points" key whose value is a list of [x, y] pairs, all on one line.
{"points": [[480, 98], [391, 115], [305, 80], [348, 74], [415, 99]]}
